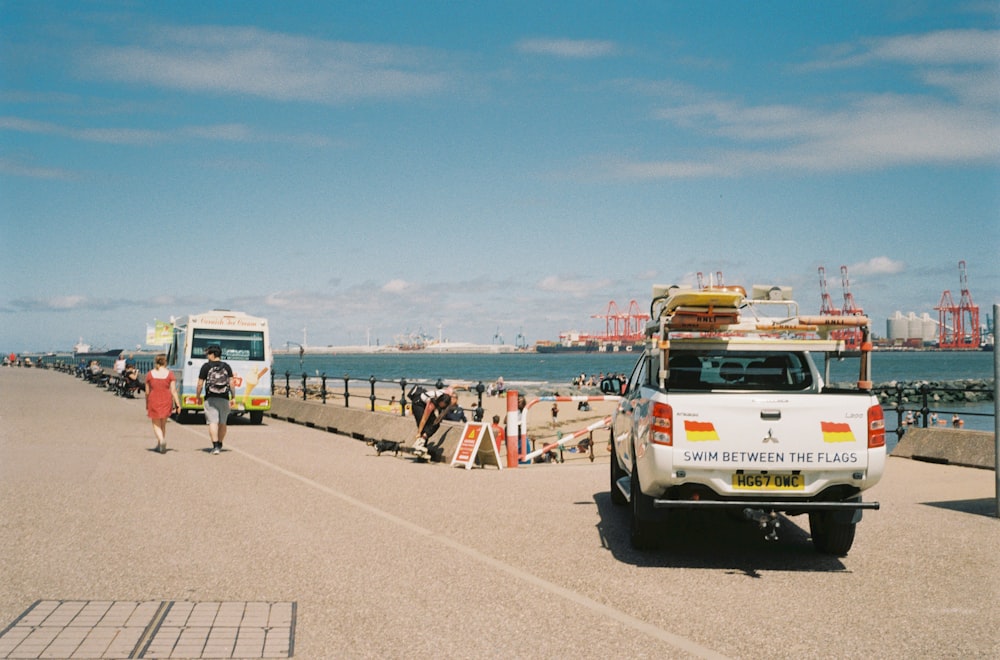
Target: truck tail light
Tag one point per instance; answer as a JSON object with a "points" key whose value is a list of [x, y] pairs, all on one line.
{"points": [[661, 427], [876, 427]]}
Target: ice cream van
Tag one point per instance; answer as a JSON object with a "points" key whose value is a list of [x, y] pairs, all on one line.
{"points": [[246, 346]]}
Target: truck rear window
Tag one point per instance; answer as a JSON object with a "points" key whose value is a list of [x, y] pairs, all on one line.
{"points": [[730, 370]]}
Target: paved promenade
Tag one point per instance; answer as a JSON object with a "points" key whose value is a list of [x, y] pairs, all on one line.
{"points": [[297, 542]]}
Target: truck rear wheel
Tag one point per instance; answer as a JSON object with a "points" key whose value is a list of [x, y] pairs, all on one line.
{"points": [[641, 528], [256, 416], [830, 535]]}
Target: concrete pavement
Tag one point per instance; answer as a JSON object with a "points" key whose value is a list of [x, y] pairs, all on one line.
{"points": [[384, 557]]}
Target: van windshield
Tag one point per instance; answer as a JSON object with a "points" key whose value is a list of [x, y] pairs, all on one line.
{"points": [[235, 344], [733, 370]]}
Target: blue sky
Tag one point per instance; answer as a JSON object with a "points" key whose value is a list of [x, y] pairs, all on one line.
{"points": [[367, 169]]}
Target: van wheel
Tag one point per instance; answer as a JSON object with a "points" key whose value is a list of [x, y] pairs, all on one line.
{"points": [[617, 496], [830, 536], [641, 528], [256, 416]]}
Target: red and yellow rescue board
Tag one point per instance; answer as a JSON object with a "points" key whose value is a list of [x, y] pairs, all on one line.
{"points": [[704, 298]]}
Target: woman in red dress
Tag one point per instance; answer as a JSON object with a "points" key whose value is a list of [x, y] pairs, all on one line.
{"points": [[161, 399]]}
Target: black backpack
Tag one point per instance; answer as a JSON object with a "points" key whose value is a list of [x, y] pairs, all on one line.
{"points": [[217, 379]]}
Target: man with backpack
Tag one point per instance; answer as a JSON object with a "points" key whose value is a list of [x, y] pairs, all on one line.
{"points": [[217, 382]]}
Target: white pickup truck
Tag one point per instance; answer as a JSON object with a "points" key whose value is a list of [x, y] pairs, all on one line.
{"points": [[727, 408]]}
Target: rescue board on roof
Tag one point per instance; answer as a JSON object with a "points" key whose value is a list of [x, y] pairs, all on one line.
{"points": [[703, 309]]}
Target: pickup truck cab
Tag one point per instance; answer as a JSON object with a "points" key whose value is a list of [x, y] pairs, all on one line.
{"points": [[727, 408]]}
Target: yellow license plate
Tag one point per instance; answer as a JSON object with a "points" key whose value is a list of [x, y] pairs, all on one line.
{"points": [[769, 481]]}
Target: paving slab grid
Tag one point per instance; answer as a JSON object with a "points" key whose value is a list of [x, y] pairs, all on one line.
{"points": [[365, 556], [117, 629]]}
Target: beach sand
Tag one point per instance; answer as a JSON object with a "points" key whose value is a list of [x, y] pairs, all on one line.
{"points": [[541, 428]]}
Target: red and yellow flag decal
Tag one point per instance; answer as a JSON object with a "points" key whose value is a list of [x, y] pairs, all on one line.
{"points": [[837, 432], [699, 431]]}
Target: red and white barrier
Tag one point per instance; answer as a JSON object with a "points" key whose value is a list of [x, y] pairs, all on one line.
{"points": [[574, 399], [602, 424]]}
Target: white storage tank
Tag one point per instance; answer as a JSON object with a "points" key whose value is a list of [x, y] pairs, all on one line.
{"points": [[930, 328], [897, 326]]}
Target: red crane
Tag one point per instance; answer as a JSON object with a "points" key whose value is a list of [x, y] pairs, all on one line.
{"points": [[826, 302], [958, 325], [623, 326], [850, 336], [850, 307]]}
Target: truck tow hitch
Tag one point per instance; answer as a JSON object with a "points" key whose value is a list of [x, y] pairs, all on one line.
{"points": [[767, 520]]}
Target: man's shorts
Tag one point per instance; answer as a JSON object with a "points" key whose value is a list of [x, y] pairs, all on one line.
{"points": [[216, 410]]}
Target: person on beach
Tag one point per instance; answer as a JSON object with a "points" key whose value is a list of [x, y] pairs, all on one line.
{"points": [[499, 435], [429, 408], [217, 382], [161, 399]]}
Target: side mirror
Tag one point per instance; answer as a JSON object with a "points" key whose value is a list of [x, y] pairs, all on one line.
{"points": [[611, 385]]}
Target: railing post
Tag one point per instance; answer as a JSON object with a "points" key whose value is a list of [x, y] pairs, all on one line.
{"points": [[477, 416], [323, 387], [899, 411], [925, 410], [288, 387], [304, 391], [402, 398], [347, 391], [371, 379]]}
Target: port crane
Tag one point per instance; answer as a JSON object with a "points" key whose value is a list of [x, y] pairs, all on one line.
{"points": [[623, 326], [826, 302], [958, 325]]}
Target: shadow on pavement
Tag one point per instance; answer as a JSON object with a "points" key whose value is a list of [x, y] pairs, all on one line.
{"points": [[714, 540], [981, 507]]}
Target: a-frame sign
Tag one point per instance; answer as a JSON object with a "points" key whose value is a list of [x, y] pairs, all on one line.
{"points": [[477, 447]]}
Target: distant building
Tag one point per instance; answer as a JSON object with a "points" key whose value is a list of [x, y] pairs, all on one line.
{"points": [[911, 328]]}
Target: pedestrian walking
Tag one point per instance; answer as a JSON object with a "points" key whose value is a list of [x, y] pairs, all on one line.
{"points": [[161, 399], [216, 381]]}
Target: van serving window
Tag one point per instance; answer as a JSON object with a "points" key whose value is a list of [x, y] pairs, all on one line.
{"points": [[235, 344]]}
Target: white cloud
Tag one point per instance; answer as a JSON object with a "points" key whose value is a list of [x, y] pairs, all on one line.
{"points": [[254, 62], [568, 48], [878, 266], [575, 287], [396, 286]]}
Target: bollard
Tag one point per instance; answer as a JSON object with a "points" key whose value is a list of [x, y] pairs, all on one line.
{"points": [[347, 390], [323, 388], [304, 390], [371, 379], [513, 429]]}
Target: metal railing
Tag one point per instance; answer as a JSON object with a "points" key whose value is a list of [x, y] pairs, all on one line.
{"points": [[320, 387], [900, 399]]}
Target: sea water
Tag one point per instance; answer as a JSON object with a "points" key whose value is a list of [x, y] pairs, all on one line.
{"points": [[554, 372]]}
